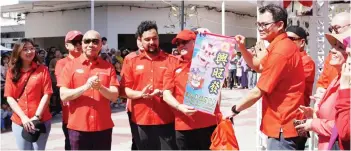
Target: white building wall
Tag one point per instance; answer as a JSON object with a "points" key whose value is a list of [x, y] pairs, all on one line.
{"points": [[122, 20], [113, 20], [56, 24]]}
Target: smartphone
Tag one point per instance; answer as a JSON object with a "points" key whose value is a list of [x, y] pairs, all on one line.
{"points": [[300, 131]]}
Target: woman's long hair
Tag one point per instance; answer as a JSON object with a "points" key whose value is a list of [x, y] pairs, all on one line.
{"points": [[16, 60]]}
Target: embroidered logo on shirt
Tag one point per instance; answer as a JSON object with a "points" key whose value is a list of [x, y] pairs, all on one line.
{"points": [[139, 67], [80, 71]]}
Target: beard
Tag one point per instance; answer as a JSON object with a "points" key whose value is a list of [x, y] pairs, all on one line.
{"points": [[154, 50]]}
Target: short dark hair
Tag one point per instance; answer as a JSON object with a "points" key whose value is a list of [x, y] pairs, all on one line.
{"points": [[104, 39], [278, 13], [145, 26]]}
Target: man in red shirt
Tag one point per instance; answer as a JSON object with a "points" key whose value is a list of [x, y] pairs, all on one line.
{"points": [[282, 81], [143, 81], [298, 35], [193, 129], [73, 43], [88, 83]]}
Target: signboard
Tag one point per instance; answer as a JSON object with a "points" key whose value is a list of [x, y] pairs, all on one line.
{"points": [[208, 70]]}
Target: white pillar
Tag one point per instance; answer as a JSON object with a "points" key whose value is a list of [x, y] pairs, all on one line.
{"points": [[223, 17], [92, 13]]}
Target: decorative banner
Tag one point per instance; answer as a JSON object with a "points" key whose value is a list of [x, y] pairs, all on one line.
{"points": [[208, 71]]}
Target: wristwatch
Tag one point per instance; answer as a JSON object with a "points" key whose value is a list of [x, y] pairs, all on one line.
{"points": [[234, 110], [37, 116]]}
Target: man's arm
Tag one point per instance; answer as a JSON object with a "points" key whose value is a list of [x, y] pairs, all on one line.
{"points": [[254, 95], [67, 94], [251, 61], [110, 93]]}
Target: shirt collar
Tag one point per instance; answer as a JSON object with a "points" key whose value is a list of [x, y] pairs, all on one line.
{"points": [[276, 40], [33, 66], [84, 60]]}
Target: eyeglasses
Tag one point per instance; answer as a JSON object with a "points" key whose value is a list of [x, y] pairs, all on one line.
{"points": [[75, 42], [88, 41], [294, 38], [263, 25], [184, 42], [336, 28]]}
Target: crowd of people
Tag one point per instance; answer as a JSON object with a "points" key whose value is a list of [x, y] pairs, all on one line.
{"points": [[91, 76]]}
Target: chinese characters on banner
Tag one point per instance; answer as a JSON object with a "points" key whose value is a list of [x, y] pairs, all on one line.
{"points": [[208, 71]]}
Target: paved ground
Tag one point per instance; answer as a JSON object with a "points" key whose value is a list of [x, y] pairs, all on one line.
{"points": [[245, 127]]}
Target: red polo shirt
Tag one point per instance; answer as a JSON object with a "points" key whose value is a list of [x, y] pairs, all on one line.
{"points": [[140, 71], [39, 84], [59, 66], [175, 80], [283, 83], [309, 68], [91, 111]]}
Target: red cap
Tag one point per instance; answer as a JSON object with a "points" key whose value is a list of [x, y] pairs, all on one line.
{"points": [[184, 35], [72, 35]]}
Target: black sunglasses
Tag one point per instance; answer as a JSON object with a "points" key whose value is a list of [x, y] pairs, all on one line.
{"points": [[75, 42], [294, 38], [88, 41]]}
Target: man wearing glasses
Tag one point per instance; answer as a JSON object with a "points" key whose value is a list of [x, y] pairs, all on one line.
{"points": [[339, 24], [282, 80], [299, 36], [88, 83], [73, 43]]}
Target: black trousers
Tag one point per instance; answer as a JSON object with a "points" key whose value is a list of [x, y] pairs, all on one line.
{"points": [[134, 131], [100, 140], [65, 132], [156, 137], [198, 139]]}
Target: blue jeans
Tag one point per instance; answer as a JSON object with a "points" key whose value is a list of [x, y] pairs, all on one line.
{"points": [[281, 143], [25, 145]]}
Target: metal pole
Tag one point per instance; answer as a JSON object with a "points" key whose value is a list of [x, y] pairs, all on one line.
{"points": [[223, 17], [182, 16], [92, 11]]}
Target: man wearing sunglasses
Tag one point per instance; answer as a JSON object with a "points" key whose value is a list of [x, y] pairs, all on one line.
{"points": [[88, 83], [142, 79], [340, 23], [281, 83], [298, 35], [73, 43]]}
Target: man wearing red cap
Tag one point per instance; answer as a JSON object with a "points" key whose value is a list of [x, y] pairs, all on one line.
{"points": [[142, 80], [73, 43], [193, 129]]}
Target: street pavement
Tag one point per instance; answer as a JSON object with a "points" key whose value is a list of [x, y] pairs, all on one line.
{"points": [[244, 127]]}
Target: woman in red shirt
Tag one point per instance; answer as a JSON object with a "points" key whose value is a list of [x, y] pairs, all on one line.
{"points": [[28, 88]]}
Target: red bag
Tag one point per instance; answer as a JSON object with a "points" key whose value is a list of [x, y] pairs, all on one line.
{"points": [[223, 137]]}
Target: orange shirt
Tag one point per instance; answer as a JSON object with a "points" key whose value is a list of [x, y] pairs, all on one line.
{"points": [[309, 68], [91, 111], [140, 71], [175, 79], [283, 83], [58, 68], [328, 74], [39, 84]]}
